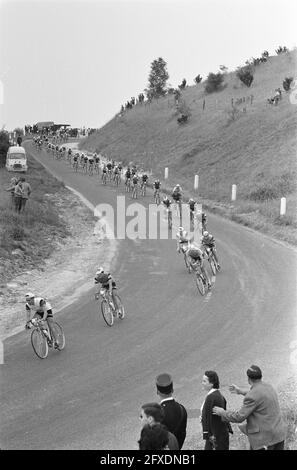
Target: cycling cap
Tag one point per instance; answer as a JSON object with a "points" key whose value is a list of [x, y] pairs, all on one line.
{"points": [[181, 229], [29, 295], [100, 270], [205, 234]]}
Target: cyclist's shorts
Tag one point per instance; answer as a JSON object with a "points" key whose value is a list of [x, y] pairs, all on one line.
{"points": [[41, 314]]}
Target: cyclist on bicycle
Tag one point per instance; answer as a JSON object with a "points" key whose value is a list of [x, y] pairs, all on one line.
{"points": [[108, 283], [177, 193], [195, 257], [144, 179], [120, 167], [127, 175], [182, 240], [69, 153], [75, 159], [91, 163], [192, 204], [42, 311], [167, 202], [86, 162], [208, 240], [156, 187], [97, 159]]}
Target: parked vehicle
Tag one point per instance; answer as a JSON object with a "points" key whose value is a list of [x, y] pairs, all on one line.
{"points": [[16, 159]]}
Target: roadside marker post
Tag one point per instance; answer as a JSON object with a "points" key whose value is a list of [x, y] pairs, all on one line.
{"points": [[233, 195], [196, 182], [283, 206], [166, 173]]}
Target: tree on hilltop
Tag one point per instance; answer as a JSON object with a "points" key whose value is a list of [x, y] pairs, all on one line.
{"points": [[157, 79], [245, 75], [198, 79], [214, 82]]}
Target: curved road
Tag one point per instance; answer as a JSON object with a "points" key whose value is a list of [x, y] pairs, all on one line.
{"points": [[88, 396]]}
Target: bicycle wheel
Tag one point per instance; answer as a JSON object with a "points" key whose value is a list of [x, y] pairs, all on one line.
{"points": [[59, 335], [121, 310], [200, 284], [39, 344], [188, 266], [107, 313], [212, 265]]}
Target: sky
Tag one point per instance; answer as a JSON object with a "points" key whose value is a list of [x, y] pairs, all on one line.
{"points": [[77, 62]]}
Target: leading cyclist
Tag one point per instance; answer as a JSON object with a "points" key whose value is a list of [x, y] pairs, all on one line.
{"points": [[42, 310]]}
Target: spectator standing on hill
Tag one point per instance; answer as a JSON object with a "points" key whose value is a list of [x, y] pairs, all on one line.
{"points": [[26, 191], [215, 429], [13, 183], [175, 414], [18, 194], [264, 425], [152, 414]]}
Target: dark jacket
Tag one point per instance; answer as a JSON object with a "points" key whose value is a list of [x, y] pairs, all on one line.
{"points": [[175, 419], [213, 425]]}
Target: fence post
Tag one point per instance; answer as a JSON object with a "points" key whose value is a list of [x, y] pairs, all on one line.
{"points": [[166, 173], [233, 196], [196, 182], [283, 206]]}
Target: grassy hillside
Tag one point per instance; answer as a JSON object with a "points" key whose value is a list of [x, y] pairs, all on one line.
{"points": [[256, 151]]}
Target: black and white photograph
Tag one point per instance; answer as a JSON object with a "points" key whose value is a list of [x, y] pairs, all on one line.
{"points": [[148, 228]]}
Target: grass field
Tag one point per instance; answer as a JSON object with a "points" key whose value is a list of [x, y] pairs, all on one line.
{"points": [[26, 239], [256, 151]]}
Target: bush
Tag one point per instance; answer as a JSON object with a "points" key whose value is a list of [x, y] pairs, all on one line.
{"points": [[233, 114], [287, 83], [214, 82], [275, 188], [245, 75], [184, 112]]}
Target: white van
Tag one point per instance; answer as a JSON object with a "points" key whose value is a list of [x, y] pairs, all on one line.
{"points": [[16, 159]]}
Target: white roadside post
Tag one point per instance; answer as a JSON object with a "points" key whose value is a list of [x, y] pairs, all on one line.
{"points": [[166, 173], [196, 182], [233, 196], [283, 206]]}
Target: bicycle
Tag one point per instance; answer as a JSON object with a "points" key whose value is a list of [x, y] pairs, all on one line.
{"points": [[75, 166], [200, 280], [103, 178], [212, 261], [157, 197], [128, 185], [117, 179], [143, 188], [91, 170], [134, 191], [96, 168], [108, 309], [41, 338]]}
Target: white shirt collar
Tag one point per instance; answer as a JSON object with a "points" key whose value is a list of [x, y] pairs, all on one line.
{"points": [[166, 399]]}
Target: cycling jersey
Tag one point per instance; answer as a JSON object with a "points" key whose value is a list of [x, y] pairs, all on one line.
{"points": [[144, 178], [104, 170], [91, 160], [104, 279], [157, 185], [40, 306], [192, 205], [167, 203], [97, 159], [135, 180], [75, 158], [209, 241], [86, 159], [116, 170], [108, 165], [69, 151], [128, 174], [120, 167], [182, 237]]}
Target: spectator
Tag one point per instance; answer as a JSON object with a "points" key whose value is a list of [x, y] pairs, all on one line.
{"points": [[153, 437], [264, 426], [18, 193], [153, 413], [26, 188], [13, 183], [19, 140], [175, 414], [215, 430]]}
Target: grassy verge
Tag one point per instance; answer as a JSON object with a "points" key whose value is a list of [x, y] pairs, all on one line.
{"points": [[27, 239]]}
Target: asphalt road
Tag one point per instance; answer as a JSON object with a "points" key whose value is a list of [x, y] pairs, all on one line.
{"points": [[89, 395]]}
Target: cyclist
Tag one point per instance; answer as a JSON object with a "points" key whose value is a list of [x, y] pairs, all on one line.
{"points": [[120, 167], [156, 187], [195, 257], [167, 202], [75, 160], [135, 183], [192, 204], [144, 179], [42, 311], [91, 165], [109, 166], [133, 170], [104, 173], [127, 176], [209, 241], [182, 240], [69, 153], [177, 193], [85, 163], [108, 283]]}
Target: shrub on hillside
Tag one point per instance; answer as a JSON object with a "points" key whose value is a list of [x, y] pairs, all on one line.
{"points": [[233, 114], [198, 79], [182, 86], [287, 83], [281, 50], [275, 188], [184, 112], [245, 75], [4, 146], [214, 82]]}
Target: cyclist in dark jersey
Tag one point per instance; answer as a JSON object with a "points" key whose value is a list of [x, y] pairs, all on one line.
{"points": [[107, 282]]}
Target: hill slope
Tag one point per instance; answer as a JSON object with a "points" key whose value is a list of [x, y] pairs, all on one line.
{"points": [[256, 151]]}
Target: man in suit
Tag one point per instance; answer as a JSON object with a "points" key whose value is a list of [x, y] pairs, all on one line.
{"points": [[264, 426], [215, 429], [175, 414]]}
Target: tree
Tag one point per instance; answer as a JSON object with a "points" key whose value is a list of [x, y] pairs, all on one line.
{"points": [[281, 50], [19, 131], [198, 79], [157, 79], [245, 75], [265, 54], [4, 146], [214, 82], [223, 68]]}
